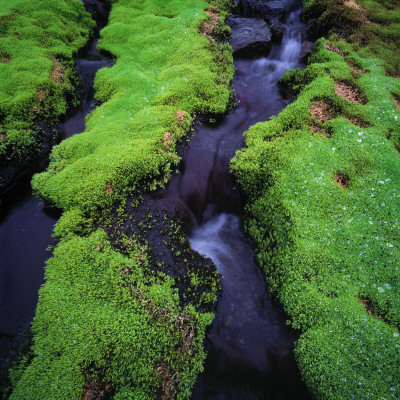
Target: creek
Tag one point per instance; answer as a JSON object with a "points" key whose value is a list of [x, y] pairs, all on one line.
{"points": [[250, 348], [26, 223]]}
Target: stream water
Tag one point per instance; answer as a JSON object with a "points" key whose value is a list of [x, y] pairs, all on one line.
{"points": [[250, 348], [26, 224]]}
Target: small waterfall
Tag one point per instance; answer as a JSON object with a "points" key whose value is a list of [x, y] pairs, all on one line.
{"points": [[249, 347], [291, 42]]}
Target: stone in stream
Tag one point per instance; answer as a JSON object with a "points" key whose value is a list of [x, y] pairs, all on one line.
{"points": [[306, 50], [249, 36], [277, 30], [270, 10]]}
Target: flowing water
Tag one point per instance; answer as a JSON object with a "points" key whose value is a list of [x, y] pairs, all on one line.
{"points": [[250, 348], [26, 224]]}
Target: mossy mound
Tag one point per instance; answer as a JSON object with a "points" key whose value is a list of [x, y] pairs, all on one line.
{"points": [[38, 40], [322, 181], [165, 73], [102, 319]]}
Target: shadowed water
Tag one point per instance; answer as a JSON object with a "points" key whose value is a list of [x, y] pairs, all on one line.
{"points": [[26, 224], [250, 348]]}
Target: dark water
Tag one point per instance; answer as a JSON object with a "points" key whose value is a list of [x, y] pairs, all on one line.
{"points": [[250, 348], [26, 224]]}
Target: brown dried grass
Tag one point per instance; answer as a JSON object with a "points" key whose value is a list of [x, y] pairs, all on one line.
{"points": [[321, 111], [109, 188], [358, 122], [42, 94], [368, 307], [319, 130], [169, 380], [334, 49], [96, 391], [349, 92], [167, 141], [57, 73], [180, 116], [396, 100], [208, 26], [355, 6], [342, 180], [5, 59]]}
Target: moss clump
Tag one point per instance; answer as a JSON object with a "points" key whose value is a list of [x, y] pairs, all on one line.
{"points": [[38, 40], [165, 73], [322, 185], [102, 318]]}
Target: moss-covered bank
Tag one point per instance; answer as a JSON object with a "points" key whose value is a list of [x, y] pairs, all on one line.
{"points": [[115, 319], [323, 189], [38, 40]]}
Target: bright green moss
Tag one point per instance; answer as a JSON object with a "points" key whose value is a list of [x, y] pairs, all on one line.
{"points": [[105, 321], [101, 317], [331, 252], [37, 42], [164, 66]]}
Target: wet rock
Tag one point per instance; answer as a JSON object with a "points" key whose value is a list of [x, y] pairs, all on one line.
{"points": [[249, 36], [173, 208], [266, 9], [306, 50], [277, 30]]}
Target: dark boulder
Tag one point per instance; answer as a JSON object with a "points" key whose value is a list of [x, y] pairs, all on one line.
{"points": [[266, 9], [306, 50], [277, 30], [249, 36]]}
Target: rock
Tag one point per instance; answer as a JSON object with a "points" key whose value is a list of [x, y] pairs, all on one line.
{"points": [[306, 50], [266, 9], [277, 30], [249, 36]]}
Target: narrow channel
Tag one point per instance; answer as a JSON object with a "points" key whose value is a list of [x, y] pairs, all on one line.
{"points": [[250, 348], [26, 223]]}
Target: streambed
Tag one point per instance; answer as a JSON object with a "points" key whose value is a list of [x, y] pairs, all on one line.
{"points": [[250, 348]]}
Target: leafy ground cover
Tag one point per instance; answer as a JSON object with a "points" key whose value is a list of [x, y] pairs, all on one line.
{"points": [[38, 40], [323, 189], [115, 319]]}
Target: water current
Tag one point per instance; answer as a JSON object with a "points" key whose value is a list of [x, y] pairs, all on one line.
{"points": [[250, 348]]}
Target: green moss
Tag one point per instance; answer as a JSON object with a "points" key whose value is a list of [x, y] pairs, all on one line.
{"points": [[101, 317], [164, 67], [331, 251], [38, 40]]}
